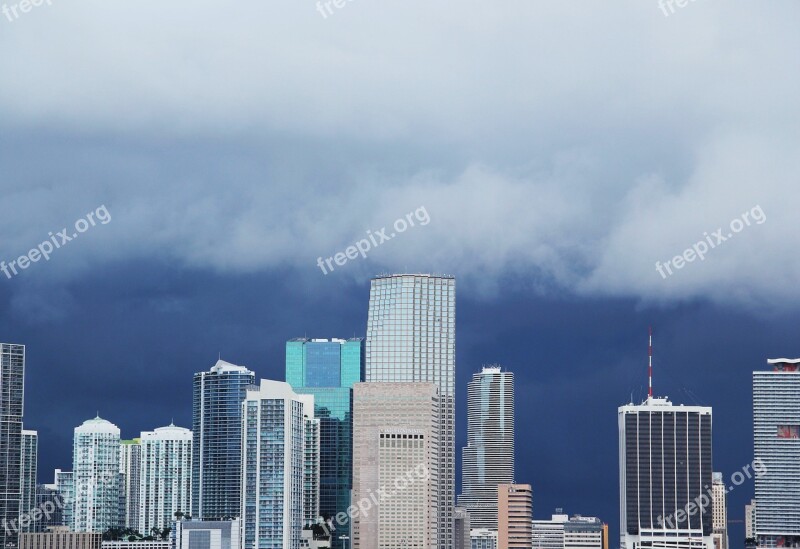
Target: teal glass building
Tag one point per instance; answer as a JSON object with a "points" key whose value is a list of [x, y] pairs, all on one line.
{"points": [[328, 369]]}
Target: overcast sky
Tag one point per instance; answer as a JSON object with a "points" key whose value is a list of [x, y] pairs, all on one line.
{"points": [[559, 149]]}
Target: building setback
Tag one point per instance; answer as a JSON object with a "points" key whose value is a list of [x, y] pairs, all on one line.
{"points": [[411, 337], [395, 465], [217, 426], [776, 433]]}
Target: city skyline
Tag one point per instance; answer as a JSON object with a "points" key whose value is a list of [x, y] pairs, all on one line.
{"points": [[540, 509]]}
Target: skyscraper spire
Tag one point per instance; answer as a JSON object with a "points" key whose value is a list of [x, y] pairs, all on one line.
{"points": [[650, 363]]}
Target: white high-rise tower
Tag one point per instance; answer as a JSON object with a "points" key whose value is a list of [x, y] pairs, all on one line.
{"points": [[96, 477], [165, 476], [489, 455]]}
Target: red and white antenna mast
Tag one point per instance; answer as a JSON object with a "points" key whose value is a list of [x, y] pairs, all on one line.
{"points": [[650, 362]]}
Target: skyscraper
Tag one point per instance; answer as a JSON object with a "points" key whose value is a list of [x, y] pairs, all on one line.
{"points": [[95, 468], [776, 432], [411, 337], [130, 462], [217, 452], [328, 369], [488, 458], [30, 447], [395, 465], [49, 499], [719, 511], [165, 476], [515, 515], [12, 374], [275, 470], [665, 466]]}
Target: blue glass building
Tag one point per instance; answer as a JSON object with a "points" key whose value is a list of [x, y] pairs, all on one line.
{"points": [[328, 369], [217, 444]]}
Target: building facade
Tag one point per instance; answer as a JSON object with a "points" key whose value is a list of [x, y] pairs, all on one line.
{"points": [[328, 369], [130, 462], [665, 463], [61, 538], [96, 479], [217, 453], [28, 460], [719, 511], [483, 538], [488, 458], [461, 528], [12, 376], [776, 432], [65, 484], [49, 500], [198, 534], [515, 513], [165, 476], [411, 337], [274, 466], [750, 520], [396, 448]]}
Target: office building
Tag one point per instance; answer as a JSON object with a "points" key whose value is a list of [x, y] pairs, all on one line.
{"points": [[328, 369], [61, 538], [28, 456], [585, 533], [719, 511], [549, 534], [95, 469], [12, 375], [665, 463], [411, 337], [483, 538], [514, 511], [197, 534], [488, 458], [750, 520], [776, 432], [165, 476], [217, 428], [396, 447], [130, 461], [275, 468], [562, 532]]}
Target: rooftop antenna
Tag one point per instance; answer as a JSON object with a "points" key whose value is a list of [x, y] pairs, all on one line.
{"points": [[650, 362]]}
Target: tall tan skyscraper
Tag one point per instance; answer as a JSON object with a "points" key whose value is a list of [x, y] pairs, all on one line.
{"points": [[411, 336], [514, 512], [719, 511], [395, 465]]}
